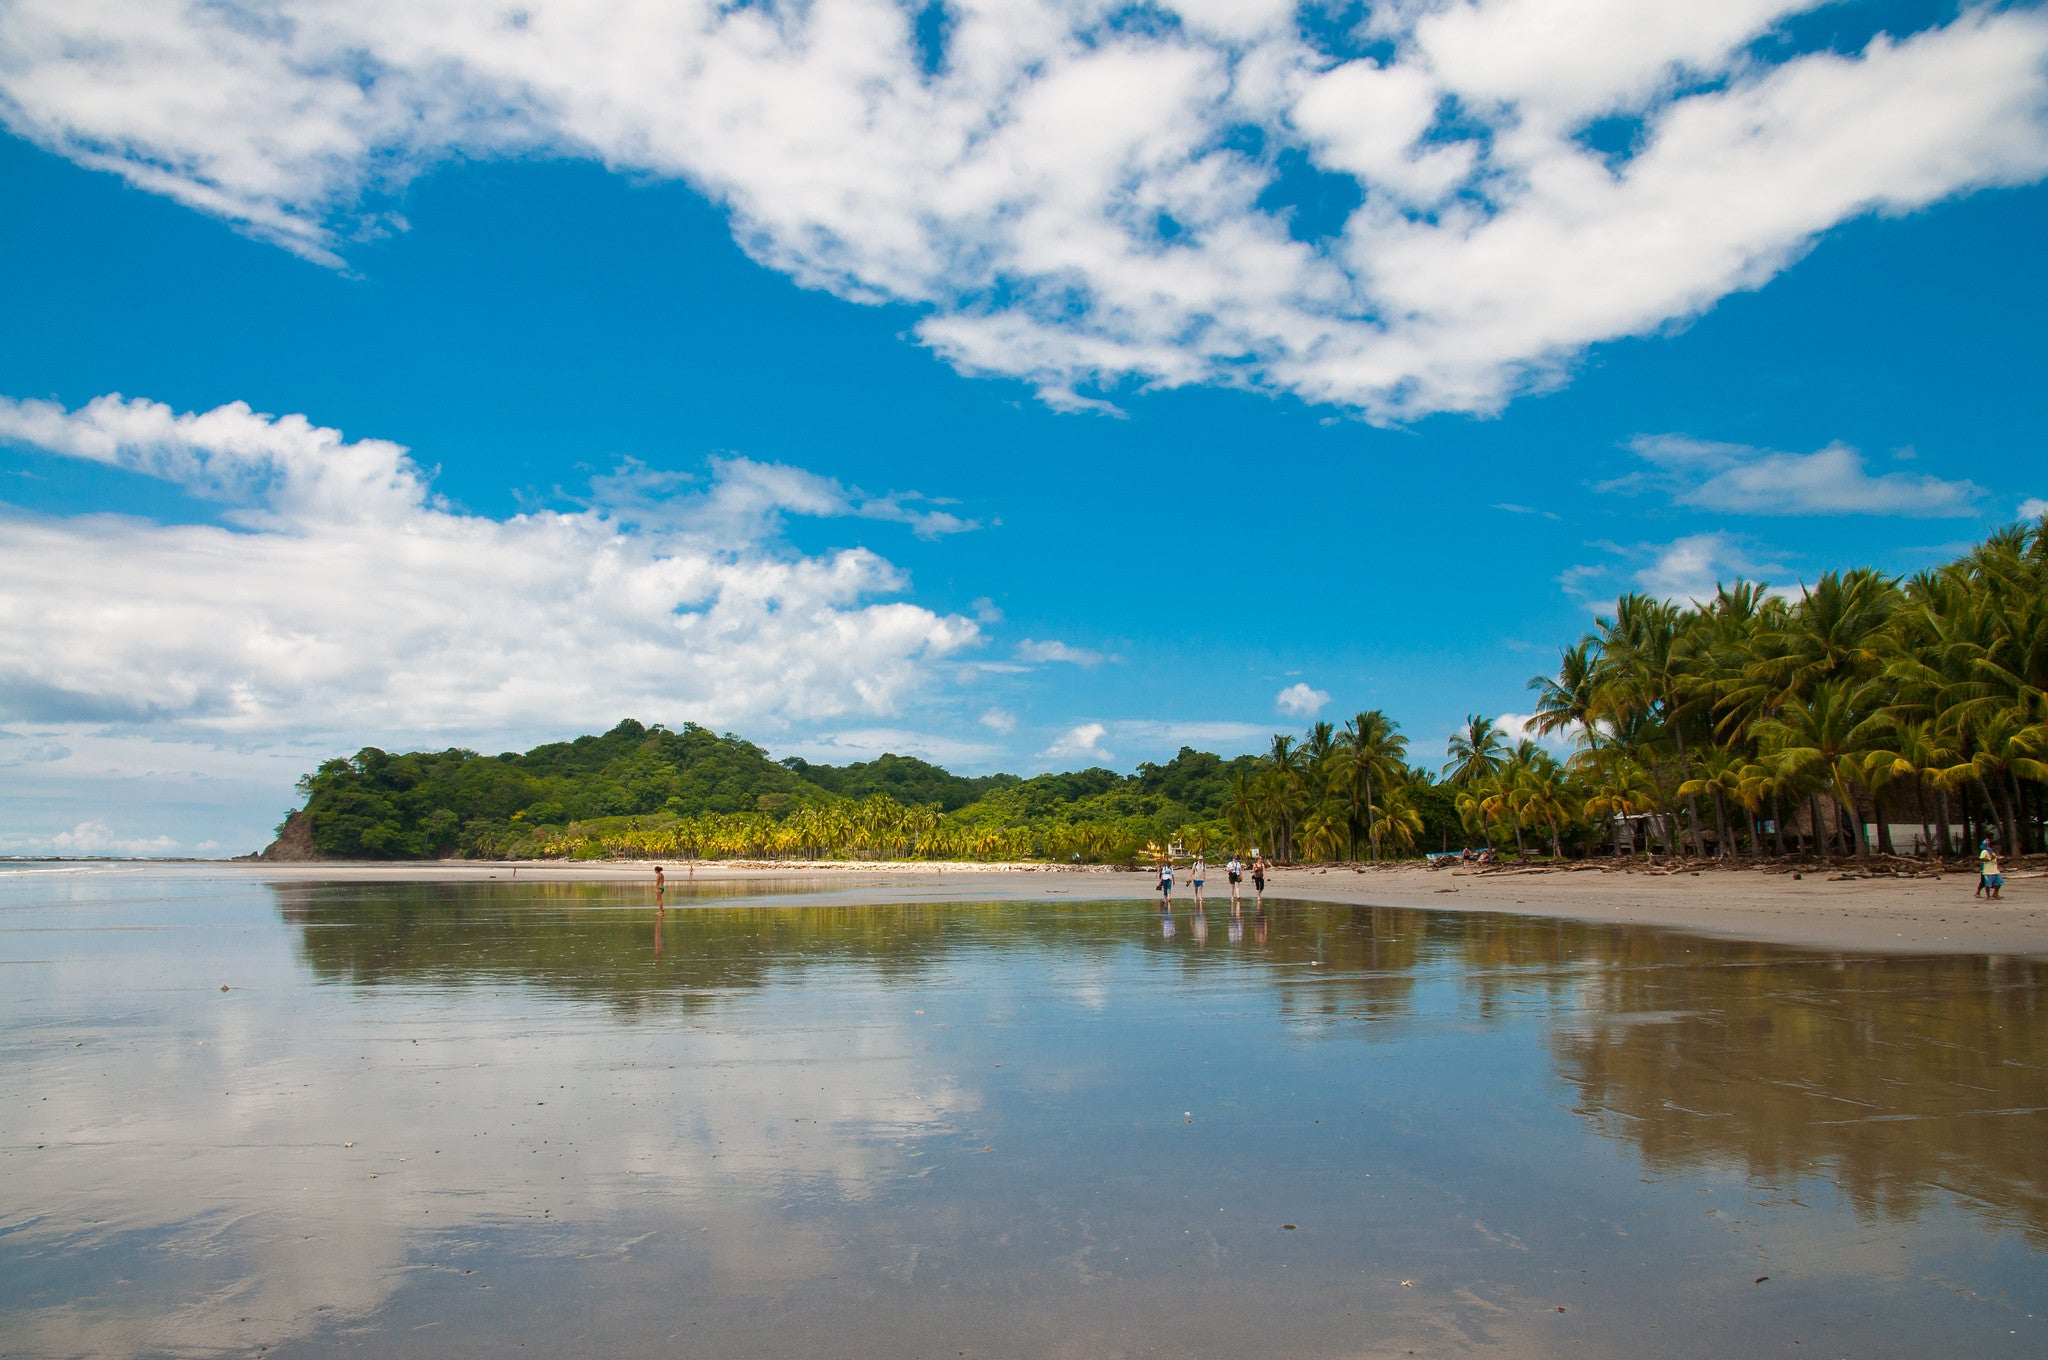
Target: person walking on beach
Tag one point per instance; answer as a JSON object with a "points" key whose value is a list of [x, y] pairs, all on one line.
{"points": [[1259, 881], [660, 884], [1166, 885], [1983, 853], [1195, 872], [1236, 871], [1987, 867]]}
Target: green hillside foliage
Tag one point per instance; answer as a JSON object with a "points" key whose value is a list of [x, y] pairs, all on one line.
{"points": [[906, 779]]}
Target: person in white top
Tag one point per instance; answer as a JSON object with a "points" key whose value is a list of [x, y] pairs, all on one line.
{"points": [[1235, 869], [1195, 875]]}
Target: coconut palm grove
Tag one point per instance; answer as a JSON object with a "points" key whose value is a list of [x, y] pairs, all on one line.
{"points": [[1862, 715]]}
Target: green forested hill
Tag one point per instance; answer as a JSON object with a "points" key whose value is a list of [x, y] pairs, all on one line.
{"points": [[903, 778], [640, 789], [381, 805]]}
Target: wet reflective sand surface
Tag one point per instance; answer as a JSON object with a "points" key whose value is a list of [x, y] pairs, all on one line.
{"points": [[468, 1119]]}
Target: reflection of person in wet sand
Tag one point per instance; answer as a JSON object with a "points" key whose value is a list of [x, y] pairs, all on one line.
{"points": [[1201, 925], [1236, 931], [1259, 926]]}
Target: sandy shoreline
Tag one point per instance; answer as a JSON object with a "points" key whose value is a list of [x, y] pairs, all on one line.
{"points": [[1919, 915]]}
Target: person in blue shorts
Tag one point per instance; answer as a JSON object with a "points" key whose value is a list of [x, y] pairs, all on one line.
{"points": [[1195, 874], [1987, 868]]}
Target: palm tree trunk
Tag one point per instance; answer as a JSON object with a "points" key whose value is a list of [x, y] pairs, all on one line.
{"points": [[1855, 831], [1941, 805], [2014, 845], [1373, 836], [1778, 822], [1721, 843], [1813, 823], [1995, 810], [1692, 804]]}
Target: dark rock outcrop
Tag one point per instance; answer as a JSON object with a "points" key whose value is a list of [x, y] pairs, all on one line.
{"points": [[294, 841]]}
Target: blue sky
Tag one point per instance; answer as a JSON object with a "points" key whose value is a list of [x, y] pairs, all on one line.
{"points": [[1110, 467]]}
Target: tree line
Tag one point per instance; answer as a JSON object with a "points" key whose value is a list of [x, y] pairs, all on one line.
{"points": [[1757, 722]]}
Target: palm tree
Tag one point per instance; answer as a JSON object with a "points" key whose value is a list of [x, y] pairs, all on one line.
{"points": [[1370, 750], [1476, 752], [1620, 788], [1571, 700], [1396, 822], [1822, 741], [1644, 678], [1721, 770]]}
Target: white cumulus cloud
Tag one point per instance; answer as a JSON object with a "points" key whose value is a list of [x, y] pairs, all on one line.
{"points": [[1082, 741], [1301, 700], [1080, 200], [1829, 481], [2033, 507], [91, 837], [1037, 650], [341, 600], [1691, 567]]}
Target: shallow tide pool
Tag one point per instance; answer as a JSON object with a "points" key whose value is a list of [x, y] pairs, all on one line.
{"points": [[446, 1119]]}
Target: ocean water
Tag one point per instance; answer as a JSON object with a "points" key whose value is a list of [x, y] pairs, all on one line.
{"points": [[243, 1117]]}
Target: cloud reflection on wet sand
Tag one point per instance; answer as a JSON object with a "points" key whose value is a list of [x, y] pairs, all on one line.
{"points": [[879, 1129]]}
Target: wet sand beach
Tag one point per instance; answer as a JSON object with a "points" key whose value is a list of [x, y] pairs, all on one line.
{"points": [[385, 1112], [1834, 907]]}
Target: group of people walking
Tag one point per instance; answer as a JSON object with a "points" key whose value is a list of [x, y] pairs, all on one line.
{"points": [[1235, 870]]}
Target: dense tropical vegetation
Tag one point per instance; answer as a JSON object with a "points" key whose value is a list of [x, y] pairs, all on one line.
{"points": [[1757, 722]]}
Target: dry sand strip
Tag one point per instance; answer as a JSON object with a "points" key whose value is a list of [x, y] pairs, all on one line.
{"points": [[1925, 915]]}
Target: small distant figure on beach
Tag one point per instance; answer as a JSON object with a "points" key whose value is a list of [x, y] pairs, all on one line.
{"points": [[1259, 881], [1166, 884], [1195, 872], [1990, 881], [660, 883], [1235, 870]]}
